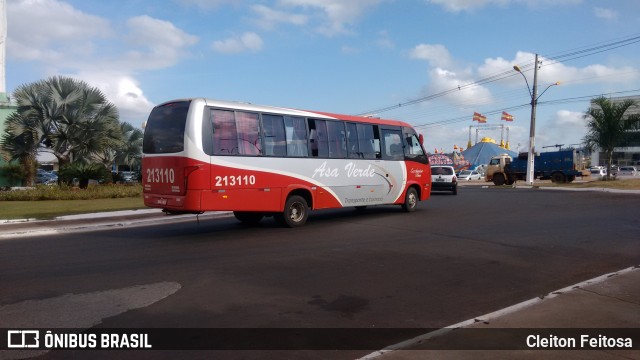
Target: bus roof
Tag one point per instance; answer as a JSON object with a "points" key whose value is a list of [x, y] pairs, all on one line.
{"points": [[288, 111]]}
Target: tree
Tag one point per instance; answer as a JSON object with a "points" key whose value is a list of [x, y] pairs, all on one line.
{"points": [[74, 120], [79, 120], [608, 127]]}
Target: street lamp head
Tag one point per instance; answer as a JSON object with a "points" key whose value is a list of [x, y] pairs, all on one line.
{"points": [[517, 68], [557, 83]]}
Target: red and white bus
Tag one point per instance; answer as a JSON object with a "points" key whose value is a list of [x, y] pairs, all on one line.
{"points": [[203, 155]]}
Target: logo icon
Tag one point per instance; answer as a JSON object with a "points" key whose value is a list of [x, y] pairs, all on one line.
{"points": [[21, 339]]}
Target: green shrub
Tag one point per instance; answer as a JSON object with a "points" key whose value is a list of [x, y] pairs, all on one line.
{"points": [[66, 192]]}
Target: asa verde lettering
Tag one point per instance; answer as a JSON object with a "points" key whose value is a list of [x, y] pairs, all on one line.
{"points": [[351, 170], [96, 341]]}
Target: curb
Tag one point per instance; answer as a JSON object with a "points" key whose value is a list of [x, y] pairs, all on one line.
{"points": [[12, 229]]}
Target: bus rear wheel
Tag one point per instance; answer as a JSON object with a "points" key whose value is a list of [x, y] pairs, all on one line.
{"points": [[296, 212]]}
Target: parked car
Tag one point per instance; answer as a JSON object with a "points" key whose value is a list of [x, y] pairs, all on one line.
{"points": [[444, 178], [627, 171], [469, 175], [46, 177], [128, 176], [598, 173]]}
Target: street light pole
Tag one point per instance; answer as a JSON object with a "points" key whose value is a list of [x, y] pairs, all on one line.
{"points": [[532, 126]]}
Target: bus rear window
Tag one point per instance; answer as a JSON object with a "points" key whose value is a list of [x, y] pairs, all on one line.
{"points": [[164, 132]]}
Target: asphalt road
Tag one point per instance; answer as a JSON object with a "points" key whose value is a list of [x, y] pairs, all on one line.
{"points": [[455, 258]]}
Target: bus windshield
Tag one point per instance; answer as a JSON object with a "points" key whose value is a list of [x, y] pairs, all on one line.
{"points": [[164, 132]]}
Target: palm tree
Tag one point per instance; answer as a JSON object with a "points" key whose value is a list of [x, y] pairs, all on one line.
{"points": [[24, 131], [73, 119], [131, 151], [81, 121], [608, 128], [21, 141]]}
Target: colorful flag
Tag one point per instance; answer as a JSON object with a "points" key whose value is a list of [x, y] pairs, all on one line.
{"points": [[506, 116], [479, 117]]}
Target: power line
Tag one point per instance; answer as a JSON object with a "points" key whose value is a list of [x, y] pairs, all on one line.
{"points": [[517, 107], [563, 57]]}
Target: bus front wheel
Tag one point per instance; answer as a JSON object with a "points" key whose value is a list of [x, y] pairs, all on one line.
{"points": [[296, 212], [410, 200]]}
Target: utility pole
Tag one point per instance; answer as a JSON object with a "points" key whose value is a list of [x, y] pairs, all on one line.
{"points": [[532, 127]]}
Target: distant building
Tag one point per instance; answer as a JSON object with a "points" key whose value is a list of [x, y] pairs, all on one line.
{"points": [[622, 156]]}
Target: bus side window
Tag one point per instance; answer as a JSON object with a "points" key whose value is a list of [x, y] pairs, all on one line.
{"points": [[393, 145], [225, 136], [366, 141], [352, 141], [274, 135], [336, 139], [296, 134], [248, 133], [318, 138]]}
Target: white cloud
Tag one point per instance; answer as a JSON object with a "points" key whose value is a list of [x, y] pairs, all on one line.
{"points": [[466, 97], [606, 14], [336, 15], [62, 32], [157, 43], [564, 128], [436, 55], [122, 90], [470, 5], [84, 46], [445, 75], [206, 4], [248, 41], [269, 18], [550, 71]]}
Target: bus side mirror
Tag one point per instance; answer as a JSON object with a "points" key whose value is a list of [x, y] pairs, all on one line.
{"points": [[421, 139]]}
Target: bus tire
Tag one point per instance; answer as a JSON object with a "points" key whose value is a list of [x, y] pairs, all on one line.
{"points": [[248, 217], [410, 200], [296, 212], [498, 179]]}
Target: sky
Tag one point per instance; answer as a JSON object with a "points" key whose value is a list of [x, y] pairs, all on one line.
{"points": [[431, 63]]}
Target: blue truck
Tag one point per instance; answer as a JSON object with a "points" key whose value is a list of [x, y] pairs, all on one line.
{"points": [[560, 166]]}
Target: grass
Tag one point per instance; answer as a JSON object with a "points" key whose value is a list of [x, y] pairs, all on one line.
{"points": [[624, 184], [51, 208]]}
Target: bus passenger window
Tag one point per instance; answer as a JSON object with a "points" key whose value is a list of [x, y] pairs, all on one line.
{"points": [[318, 138], [296, 133], [352, 141], [274, 139], [337, 140], [225, 137], [248, 133], [366, 141], [393, 145]]}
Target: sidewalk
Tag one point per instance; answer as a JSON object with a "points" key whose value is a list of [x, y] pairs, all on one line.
{"points": [[607, 305]]}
